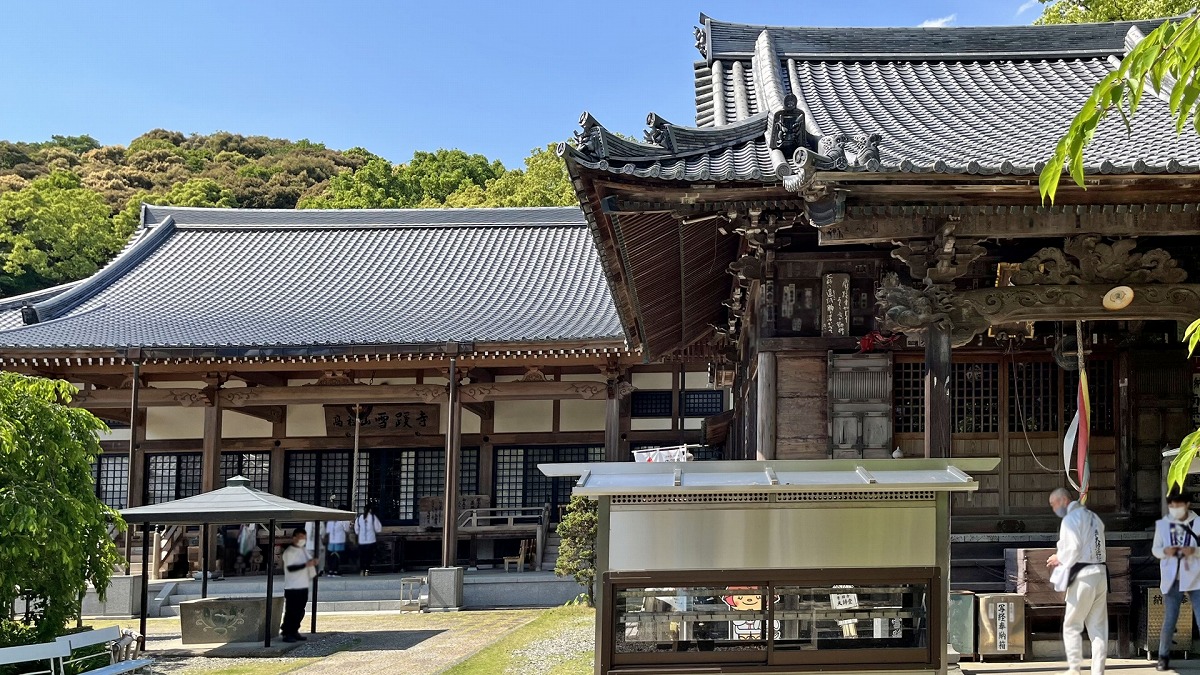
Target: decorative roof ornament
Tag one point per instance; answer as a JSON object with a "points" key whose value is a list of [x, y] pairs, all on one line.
{"points": [[843, 151], [588, 139], [701, 36], [658, 132]]}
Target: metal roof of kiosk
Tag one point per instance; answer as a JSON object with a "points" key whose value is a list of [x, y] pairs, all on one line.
{"points": [[840, 475], [233, 504], [236, 503]]}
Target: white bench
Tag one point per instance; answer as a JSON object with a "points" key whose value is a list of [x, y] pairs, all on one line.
{"points": [[122, 655], [50, 652]]}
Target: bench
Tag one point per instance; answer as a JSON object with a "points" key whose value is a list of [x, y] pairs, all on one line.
{"points": [[122, 653], [50, 652]]}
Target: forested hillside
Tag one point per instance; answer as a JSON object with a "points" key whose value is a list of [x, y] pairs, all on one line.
{"points": [[68, 205]]}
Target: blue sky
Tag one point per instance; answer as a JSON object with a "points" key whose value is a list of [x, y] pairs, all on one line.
{"points": [[494, 77]]}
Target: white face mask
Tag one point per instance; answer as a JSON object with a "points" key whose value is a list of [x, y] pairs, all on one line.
{"points": [[1178, 512]]}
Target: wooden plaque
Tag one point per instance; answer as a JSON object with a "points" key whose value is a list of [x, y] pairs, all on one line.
{"points": [[835, 305], [408, 419]]}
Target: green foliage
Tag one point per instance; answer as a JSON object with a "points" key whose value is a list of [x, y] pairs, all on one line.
{"points": [[53, 527], [67, 205], [543, 182], [1166, 60], [577, 549], [52, 231], [1190, 447], [1099, 11]]}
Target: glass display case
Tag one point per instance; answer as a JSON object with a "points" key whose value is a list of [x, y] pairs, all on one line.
{"points": [[849, 617]]}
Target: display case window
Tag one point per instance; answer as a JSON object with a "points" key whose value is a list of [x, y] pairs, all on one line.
{"points": [[772, 618]]}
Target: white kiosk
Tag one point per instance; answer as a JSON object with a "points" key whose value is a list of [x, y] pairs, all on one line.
{"points": [[774, 566]]}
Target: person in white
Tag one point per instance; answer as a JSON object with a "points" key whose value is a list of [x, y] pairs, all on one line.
{"points": [[1179, 568], [336, 531], [1079, 570], [299, 567], [366, 527]]}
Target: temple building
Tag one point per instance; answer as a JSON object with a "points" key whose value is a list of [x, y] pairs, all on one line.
{"points": [[249, 338], [859, 235]]}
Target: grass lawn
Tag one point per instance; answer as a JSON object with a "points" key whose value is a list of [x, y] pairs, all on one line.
{"points": [[558, 642]]}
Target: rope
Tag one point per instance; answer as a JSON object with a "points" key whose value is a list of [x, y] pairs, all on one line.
{"points": [[1021, 412]]}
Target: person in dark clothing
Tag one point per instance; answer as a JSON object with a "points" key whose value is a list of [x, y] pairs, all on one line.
{"points": [[299, 567]]}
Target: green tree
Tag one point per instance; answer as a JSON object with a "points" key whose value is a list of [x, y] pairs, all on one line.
{"points": [[577, 549], [195, 192], [53, 231], [53, 527], [1166, 61], [543, 182], [375, 185], [1099, 11]]}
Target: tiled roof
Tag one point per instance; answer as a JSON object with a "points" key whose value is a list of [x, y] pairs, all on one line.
{"points": [[248, 278], [968, 100]]}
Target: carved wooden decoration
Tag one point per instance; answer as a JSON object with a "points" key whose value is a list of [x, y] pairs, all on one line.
{"points": [[941, 260], [1089, 260]]}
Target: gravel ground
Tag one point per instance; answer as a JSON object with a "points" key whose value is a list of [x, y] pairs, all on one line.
{"points": [[540, 658]]}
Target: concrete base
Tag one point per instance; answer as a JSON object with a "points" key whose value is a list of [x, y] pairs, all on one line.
{"points": [[445, 588], [225, 620], [124, 598]]}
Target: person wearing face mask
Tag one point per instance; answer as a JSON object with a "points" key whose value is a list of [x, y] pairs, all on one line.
{"points": [[299, 567], [1079, 570], [1179, 567]]}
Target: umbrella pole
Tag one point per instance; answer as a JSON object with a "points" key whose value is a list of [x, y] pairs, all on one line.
{"points": [[204, 562], [270, 616], [317, 552], [145, 577]]}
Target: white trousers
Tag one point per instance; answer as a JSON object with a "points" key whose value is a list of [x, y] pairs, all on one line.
{"points": [[1087, 607]]}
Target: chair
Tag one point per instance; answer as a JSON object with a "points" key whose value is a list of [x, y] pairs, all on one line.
{"points": [[520, 559]]}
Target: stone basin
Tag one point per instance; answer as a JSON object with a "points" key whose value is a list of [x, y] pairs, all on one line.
{"points": [[224, 620]]}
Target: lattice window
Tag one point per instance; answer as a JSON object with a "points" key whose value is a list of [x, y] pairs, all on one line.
{"points": [[650, 404], [253, 465], [468, 472], [519, 483], [1033, 396], [976, 398], [431, 474], [909, 395], [708, 453], [172, 476], [362, 488], [510, 477], [1100, 391], [319, 478], [703, 402], [110, 474]]}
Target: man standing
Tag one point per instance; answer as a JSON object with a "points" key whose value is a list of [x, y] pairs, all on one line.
{"points": [[1079, 570], [1179, 568], [299, 567]]}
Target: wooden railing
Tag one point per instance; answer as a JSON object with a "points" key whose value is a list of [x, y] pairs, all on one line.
{"points": [[512, 517]]}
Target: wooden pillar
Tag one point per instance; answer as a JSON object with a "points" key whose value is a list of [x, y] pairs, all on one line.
{"points": [[766, 406], [937, 392], [278, 433], [453, 441], [210, 467], [612, 422]]}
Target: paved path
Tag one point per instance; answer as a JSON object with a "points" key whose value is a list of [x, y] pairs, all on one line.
{"points": [[425, 647], [1113, 667]]}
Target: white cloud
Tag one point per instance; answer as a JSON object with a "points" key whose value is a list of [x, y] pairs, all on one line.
{"points": [[1026, 6], [938, 23]]}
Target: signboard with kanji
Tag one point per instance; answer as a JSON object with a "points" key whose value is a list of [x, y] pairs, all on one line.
{"points": [[407, 419]]}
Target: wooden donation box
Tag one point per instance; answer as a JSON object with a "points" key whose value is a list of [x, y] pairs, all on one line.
{"points": [[773, 566], [1026, 573]]}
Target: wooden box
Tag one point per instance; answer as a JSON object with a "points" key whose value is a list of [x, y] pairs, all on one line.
{"points": [[1025, 572]]}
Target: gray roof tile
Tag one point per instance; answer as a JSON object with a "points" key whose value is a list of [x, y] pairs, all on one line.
{"points": [[982, 100], [245, 278]]}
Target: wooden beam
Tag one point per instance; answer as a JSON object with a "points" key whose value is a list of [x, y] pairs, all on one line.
{"points": [[485, 411], [148, 397], [884, 225], [270, 413], [535, 391]]}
